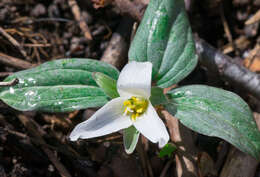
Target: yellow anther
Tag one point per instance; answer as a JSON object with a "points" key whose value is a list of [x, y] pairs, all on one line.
{"points": [[135, 106], [127, 102], [140, 110], [133, 117]]}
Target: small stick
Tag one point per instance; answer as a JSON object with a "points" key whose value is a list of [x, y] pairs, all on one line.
{"points": [[15, 62], [166, 167], [140, 151], [188, 4], [148, 163], [77, 14], [14, 42], [226, 27], [116, 52], [186, 154], [239, 164], [32, 128], [111, 138], [37, 45], [222, 154], [225, 24], [4, 74], [134, 29], [130, 8], [255, 18], [9, 83], [222, 64]]}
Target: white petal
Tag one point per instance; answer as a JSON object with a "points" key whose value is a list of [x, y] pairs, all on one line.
{"points": [[135, 80], [152, 127], [106, 120]]}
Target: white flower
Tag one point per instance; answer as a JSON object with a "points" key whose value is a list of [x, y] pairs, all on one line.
{"points": [[131, 108]]}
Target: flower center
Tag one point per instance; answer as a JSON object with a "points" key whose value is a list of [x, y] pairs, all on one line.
{"points": [[135, 107]]}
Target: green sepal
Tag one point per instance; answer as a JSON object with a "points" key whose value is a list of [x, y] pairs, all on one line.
{"points": [[107, 84], [130, 136], [167, 150], [158, 97]]}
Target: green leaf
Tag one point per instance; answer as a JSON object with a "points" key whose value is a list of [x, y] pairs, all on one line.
{"points": [[61, 98], [164, 38], [63, 72], [58, 86], [167, 150], [158, 97], [216, 112], [131, 136], [107, 84]]}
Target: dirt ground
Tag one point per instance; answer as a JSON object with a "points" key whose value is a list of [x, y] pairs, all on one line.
{"points": [[33, 32]]}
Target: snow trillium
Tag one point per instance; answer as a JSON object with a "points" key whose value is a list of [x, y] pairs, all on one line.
{"points": [[132, 108]]}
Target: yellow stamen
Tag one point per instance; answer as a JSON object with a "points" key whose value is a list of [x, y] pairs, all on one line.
{"points": [[140, 110], [135, 107]]}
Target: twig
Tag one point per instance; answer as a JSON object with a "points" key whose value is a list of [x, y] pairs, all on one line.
{"points": [[15, 62], [82, 23], [255, 18], [134, 29], [110, 138], [239, 164], [36, 134], [116, 52], [50, 19], [166, 167], [14, 42], [127, 7], [236, 74], [9, 83], [240, 43], [148, 164], [225, 24], [186, 153], [101, 3], [188, 4], [4, 74], [55, 120], [2, 171], [257, 119], [140, 150], [18, 134], [37, 45], [222, 154], [253, 55]]}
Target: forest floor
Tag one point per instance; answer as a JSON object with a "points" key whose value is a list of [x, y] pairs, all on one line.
{"points": [[33, 32]]}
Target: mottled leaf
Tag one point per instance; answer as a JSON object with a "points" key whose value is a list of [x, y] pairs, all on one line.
{"points": [[164, 38], [61, 98], [57, 86], [216, 112]]}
